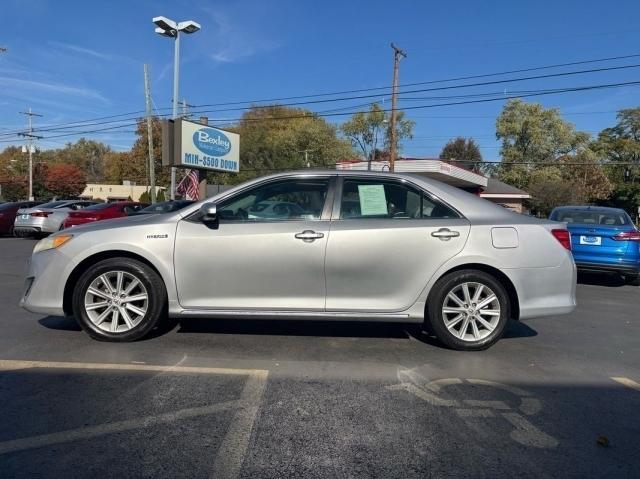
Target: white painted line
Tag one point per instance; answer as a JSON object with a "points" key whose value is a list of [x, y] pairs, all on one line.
{"points": [[6, 365], [84, 433], [230, 456], [630, 383], [232, 451]]}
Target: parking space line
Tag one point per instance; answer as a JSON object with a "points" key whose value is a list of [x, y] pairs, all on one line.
{"points": [[90, 432], [6, 365], [630, 383], [231, 453], [233, 449]]}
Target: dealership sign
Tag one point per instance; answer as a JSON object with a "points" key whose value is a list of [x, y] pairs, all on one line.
{"points": [[200, 146]]}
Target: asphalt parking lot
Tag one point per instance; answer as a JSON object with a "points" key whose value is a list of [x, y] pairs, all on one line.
{"points": [[556, 397]]}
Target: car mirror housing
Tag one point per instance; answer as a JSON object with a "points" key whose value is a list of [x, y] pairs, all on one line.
{"points": [[209, 213]]}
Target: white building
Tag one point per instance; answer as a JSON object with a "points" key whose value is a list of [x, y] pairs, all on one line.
{"points": [[128, 190]]}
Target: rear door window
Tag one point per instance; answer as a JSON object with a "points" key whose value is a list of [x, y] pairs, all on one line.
{"points": [[370, 199]]}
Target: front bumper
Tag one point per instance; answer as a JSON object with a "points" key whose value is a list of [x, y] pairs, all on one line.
{"points": [[43, 290]]}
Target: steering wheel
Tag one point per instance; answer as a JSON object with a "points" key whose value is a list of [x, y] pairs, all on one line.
{"points": [[242, 213]]}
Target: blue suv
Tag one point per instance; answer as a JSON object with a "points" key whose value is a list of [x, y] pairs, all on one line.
{"points": [[603, 239]]}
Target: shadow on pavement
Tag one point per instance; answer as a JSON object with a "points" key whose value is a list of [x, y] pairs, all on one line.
{"points": [[60, 323], [601, 279], [295, 328]]}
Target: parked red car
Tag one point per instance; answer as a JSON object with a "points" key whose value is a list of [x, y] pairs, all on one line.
{"points": [[8, 213], [103, 211]]}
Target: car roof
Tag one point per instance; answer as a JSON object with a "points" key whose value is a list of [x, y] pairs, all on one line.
{"points": [[590, 208]]}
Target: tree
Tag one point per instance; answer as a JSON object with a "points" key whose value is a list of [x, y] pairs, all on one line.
{"points": [[621, 144], [462, 151], [87, 155], [533, 136], [160, 196], [64, 180], [368, 130], [140, 153], [276, 138], [145, 197]]}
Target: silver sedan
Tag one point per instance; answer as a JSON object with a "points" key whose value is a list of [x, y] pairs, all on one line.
{"points": [[360, 246], [47, 218]]}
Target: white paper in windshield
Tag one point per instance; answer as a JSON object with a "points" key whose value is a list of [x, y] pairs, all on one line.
{"points": [[373, 201]]}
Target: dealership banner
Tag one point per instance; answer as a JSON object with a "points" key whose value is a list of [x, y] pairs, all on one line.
{"points": [[204, 147]]}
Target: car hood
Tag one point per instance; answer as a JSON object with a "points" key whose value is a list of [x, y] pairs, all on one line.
{"points": [[117, 223]]}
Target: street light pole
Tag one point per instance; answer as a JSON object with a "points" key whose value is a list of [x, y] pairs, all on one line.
{"points": [[170, 28], [176, 89]]}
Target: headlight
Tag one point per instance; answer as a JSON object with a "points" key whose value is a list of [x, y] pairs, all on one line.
{"points": [[51, 242]]}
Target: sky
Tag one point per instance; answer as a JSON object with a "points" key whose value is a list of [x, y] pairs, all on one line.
{"points": [[72, 60]]}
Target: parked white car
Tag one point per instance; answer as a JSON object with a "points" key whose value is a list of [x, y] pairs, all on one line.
{"points": [[45, 219]]}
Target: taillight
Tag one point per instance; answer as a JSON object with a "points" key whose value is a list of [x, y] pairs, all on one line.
{"points": [[627, 236], [40, 214], [563, 237]]}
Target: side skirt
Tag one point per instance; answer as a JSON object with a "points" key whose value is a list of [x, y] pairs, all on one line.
{"points": [[299, 315]]}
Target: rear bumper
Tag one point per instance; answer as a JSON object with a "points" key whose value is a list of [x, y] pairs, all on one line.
{"points": [[608, 268], [23, 230]]}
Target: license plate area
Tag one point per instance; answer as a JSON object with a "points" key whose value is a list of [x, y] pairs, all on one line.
{"points": [[24, 217], [591, 240]]}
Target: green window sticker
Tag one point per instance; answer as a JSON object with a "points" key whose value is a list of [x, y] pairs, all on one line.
{"points": [[373, 201]]}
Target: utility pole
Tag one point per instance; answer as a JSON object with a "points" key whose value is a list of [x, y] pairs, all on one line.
{"points": [[152, 166], [31, 147], [397, 55]]}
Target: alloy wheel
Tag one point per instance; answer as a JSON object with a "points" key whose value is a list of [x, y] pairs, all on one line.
{"points": [[471, 311], [116, 301]]}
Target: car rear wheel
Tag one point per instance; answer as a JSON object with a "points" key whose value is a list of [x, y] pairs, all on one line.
{"points": [[468, 310], [119, 299]]}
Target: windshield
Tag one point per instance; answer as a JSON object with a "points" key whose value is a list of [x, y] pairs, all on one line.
{"points": [[99, 206], [595, 217]]}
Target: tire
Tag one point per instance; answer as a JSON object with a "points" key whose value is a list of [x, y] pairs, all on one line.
{"points": [[134, 318], [459, 314], [633, 280]]}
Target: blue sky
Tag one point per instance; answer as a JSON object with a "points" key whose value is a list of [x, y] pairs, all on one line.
{"points": [[74, 60]]}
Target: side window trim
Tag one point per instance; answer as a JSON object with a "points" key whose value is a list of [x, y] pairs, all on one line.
{"points": [[340, 187]]}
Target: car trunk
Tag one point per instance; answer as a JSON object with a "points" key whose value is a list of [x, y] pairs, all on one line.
{"points": [[591, 243]]}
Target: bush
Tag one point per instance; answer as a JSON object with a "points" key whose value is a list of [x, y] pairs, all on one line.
{"points": [[145, 197], [160, 196]]}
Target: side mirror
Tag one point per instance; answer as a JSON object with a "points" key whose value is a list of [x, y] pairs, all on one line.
{"points": [[209, 212]]}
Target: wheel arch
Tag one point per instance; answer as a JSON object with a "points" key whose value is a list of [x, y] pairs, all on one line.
{"points": [[497, 274], [67, 302]]}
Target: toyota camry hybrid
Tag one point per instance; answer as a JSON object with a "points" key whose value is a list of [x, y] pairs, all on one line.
{"points": [[347, 246]]}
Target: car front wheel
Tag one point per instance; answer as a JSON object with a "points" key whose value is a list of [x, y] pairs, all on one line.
{"points": [[119, 299], [468, 310]]}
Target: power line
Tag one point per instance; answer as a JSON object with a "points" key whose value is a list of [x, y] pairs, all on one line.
{"points": [[321, 114], [89, 122]]}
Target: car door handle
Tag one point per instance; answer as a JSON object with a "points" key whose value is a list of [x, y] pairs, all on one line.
{"points": [[445, 234], [309, 235]]}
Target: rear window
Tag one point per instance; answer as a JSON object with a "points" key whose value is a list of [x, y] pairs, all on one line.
{"points": [[591, 217]]}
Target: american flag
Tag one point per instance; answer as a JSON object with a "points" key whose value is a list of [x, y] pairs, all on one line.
{"points": [[189, 186]]}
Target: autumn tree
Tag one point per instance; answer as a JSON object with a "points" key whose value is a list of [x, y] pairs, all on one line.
{"points": [[88, 155], [63, 180], [370, 130]]}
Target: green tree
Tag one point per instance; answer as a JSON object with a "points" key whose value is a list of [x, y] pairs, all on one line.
{"points": [[160, 196], [145, 197], [277, 138], [533, 136], [369, 130], [140, 153], [463, 151]]}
